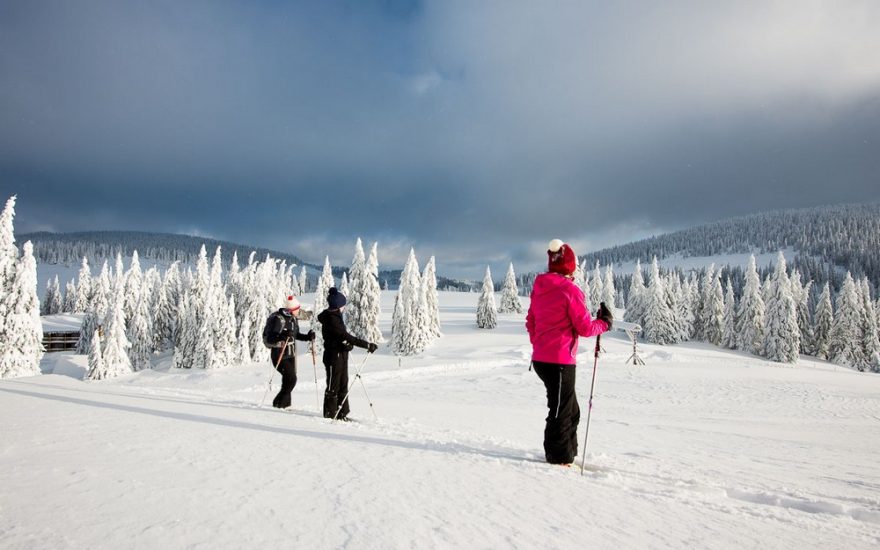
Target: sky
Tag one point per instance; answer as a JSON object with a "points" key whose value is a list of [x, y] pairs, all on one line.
{"points": [[473, 131]]}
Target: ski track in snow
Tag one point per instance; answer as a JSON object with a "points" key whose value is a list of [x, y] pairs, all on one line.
{"points": [[702, 448]]}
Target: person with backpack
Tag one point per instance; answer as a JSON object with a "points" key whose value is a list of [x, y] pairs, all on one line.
{"points": [[557, 317], [337, 343], [280, 335]]}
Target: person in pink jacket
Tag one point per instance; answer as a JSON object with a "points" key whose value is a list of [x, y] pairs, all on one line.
{"points": [[557, 317]]}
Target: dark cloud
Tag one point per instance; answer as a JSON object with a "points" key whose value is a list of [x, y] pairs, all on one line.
{"points": [[473, 131]]}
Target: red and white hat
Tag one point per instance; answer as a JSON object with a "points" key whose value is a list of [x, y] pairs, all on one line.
{"points": [[560, 258], [291, 303]]}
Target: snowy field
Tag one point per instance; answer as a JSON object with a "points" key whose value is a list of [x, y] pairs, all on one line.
{"points": [[701, 448]]}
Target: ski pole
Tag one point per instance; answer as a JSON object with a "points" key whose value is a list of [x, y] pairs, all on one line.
{"points": [[590, 406], [315, 369], [280, 355], [357, 375]]}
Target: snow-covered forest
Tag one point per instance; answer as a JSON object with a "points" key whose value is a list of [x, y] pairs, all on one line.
{"points": [[825, 242]]}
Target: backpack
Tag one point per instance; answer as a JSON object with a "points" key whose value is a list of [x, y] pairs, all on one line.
{"points": [[270, 335]]}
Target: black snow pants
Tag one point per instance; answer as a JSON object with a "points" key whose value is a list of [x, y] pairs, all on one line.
{"points": [[560, 432], [336, 367], [287, 368]]}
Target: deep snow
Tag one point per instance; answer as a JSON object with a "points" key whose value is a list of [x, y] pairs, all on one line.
{"points": [[701, 448]]}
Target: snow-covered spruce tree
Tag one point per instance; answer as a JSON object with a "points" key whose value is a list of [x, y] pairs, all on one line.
{"points": [[407, 337], [782, 336], [580, 280], [608, 290], [369, 302], [672, 290], [134, 279], [186, 336], [728, 333], [870, 341], [21, 345], [303, 280], [658, 325], [163, 319], [751, 314], [101, 290], [243, 355], [713, 311], [344, 287], [52, 299], [585, 286], [356, 283], [596, 287], [90, 323], [684, 313], [140, 334], [846, 329], [486, 314], [431, 300], [69, 301], [82, 301], [822, 323], [325, 283], [8, 250], [635, 303], [510, 302], [97, 366], [115, 343], [801, 295]]}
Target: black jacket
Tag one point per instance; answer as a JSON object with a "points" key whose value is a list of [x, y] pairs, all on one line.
{"points": [[336, 337], [283, 325]]}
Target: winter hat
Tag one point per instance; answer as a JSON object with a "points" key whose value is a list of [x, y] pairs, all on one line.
{"points": [[335, 299], [561, 258], [291, 303]]}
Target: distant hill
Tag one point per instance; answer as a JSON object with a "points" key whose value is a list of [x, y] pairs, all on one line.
{"points": [[827, 241], [97, 246]]}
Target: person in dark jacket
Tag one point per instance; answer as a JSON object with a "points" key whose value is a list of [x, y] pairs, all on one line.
{"points": [[557, 318], [282, 326], [337, 343]]}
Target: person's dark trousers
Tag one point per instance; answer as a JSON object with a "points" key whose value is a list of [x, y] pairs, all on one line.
{"points": [[560, 432], [287, 368], [336, 367]]}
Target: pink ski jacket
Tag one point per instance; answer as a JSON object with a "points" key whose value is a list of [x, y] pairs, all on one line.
{"points": [[556, 318]]}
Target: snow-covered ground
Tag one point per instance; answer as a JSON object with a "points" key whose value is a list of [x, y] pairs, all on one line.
{"points": [[700, 448]]}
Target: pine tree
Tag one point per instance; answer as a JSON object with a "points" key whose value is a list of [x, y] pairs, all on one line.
{"points": [[635, 307], [69, 301], [510, 302], [658, 325], [407, 336], [782, 337], [713, 311], [846, 330], [115, 343], [729, 335], [822, 324], [801, 295], [325, 283], [82, 301], [596, 287], [97, 365], [370, 300], [486, 314], [303, 280], [586, 285], [52, 299], [672, 291], [133, 285], [684, 312], [21, 345], [608, 290], [344, 287], [353, 317], [243, 355], [8, 250], [140, 334], [751, 314], [431, 300], [870, 341]]}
